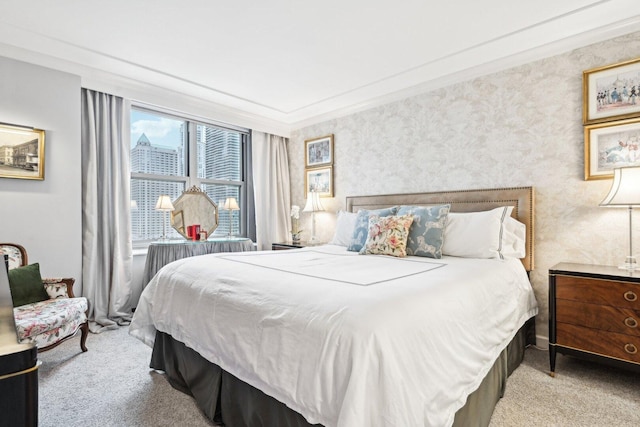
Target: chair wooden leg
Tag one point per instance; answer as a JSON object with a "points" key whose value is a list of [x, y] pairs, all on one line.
{"points": [[84, 331]]}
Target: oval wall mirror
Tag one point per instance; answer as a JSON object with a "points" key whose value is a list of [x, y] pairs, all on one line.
{"points": [[194, 207]]}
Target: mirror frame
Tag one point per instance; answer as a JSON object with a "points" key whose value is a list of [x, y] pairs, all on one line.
{"points": [[184, 210]]}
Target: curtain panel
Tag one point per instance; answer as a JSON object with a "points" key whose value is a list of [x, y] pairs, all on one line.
{"points": [[271, 187], [107, 255]]}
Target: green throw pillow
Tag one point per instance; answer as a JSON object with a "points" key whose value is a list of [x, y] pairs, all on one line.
{"points": [[26, 285]]}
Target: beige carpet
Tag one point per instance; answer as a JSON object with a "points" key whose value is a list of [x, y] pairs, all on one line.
{"points": [[111, 385], [582, 394]]}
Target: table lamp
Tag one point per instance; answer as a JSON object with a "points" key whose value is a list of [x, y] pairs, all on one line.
{"points": [[164, 205], [231, 204], [313, 205], [625, 193]]}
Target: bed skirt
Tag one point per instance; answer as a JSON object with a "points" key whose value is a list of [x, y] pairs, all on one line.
{"points": [[227, 400]]}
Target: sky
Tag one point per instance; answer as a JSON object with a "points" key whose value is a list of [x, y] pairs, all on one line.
{"points": [[161, 131]]}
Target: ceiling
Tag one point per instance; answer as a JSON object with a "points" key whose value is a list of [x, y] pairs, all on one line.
{"points": [[299, 62]]}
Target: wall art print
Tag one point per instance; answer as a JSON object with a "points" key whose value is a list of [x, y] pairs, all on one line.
{"points": [[611, 92], [21, 152], [318, 151], [611, 145], [319, 180]]}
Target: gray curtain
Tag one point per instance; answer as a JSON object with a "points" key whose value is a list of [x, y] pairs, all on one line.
{"points": [[272, 190], [107, 255], [250, 218]]}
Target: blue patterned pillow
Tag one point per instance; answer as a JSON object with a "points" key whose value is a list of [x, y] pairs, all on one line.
{"points": [[426, 232], [361, 229]]}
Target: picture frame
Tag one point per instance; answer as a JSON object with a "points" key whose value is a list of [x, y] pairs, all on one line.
{"points": [[21, 152], [611, 92], [611, 145], [319, 180], [318, 151]]}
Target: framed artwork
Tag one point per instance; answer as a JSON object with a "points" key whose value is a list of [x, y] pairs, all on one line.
{"points": [[318, 151], [21, 152], [611, 145], [611, 92], [319, 180]]}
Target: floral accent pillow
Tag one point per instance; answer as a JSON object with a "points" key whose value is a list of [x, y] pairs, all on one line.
{"points": [[387, 235], [426, 234], [359, 236], [55, 288]]}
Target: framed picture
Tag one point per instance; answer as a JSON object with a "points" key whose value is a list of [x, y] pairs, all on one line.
{"points": [[611, 145], [21, 152], [611, 92], [318, 151], [319, 180]]}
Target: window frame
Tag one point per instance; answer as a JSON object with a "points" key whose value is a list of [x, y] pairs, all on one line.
{"points": [[191, 162]]}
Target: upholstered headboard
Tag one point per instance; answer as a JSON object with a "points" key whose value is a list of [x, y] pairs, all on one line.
{"points": [[521, 198]]}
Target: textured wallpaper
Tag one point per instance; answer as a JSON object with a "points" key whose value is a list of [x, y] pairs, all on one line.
{"points": [[518, 127]]}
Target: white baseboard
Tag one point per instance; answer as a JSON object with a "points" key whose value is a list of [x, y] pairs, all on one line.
{"points": [[542, 342]]}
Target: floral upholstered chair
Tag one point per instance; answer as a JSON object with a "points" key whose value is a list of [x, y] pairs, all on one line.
{"points": [[48, 314]]}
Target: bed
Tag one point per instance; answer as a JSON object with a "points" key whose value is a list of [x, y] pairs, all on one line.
{"points": [[324, 336]]}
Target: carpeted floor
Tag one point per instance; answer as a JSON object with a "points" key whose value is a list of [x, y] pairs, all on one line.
{"points": [[111, 385], [582, 394]]}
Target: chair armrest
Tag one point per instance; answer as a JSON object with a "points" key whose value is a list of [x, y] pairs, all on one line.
{"points": [[67, 281]]}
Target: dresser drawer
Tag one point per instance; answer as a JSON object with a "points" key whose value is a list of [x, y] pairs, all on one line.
{"points": [[595, 316], [620, 346], [596, 291]]}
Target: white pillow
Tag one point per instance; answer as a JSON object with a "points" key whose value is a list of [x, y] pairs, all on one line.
{"points": [[489, 234], [345, 224], [514, 238]]}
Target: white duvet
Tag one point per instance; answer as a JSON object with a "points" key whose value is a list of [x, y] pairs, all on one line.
{"points": [[344, 339]]}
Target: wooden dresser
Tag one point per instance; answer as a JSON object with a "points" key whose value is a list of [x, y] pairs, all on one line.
{"points": [[594, 313]]}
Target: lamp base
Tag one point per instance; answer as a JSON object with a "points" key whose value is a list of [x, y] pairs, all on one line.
{"points": [[630, 264]]}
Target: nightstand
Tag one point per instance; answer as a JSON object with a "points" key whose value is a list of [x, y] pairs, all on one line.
{"points": [[290, 245], [594, 313]]}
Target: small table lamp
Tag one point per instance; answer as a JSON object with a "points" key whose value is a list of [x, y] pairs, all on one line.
{"points": [[313, 205], [625, 193], [230, 204], [164, 205]]}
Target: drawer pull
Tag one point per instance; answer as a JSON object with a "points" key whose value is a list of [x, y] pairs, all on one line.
{"points": [[631, 322], [630, 296], [630, 348]]}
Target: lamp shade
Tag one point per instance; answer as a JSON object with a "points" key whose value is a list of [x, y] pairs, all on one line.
{"points": [[625, 190], [313, 203], [164, 204], [231, 204]]}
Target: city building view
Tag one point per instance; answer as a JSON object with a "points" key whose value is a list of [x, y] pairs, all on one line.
{"points": [[162, 168], [20, 159]]}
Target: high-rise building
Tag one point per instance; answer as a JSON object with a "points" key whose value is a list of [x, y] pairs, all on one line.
{"points": [[146, 222], [222, 151]]}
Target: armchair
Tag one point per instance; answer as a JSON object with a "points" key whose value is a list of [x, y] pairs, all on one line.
{"points": [[56, 317]]}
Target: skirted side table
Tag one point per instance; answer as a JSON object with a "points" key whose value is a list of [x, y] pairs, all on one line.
{"points": [[162, 253]]}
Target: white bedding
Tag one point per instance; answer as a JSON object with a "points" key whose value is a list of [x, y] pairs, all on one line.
{"points": [[350, 345]]}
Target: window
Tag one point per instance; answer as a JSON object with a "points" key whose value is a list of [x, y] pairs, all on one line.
{"points": [[170, 154]]}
